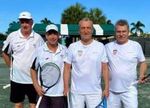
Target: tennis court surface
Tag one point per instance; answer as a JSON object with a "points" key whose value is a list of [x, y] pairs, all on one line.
{"points": [[144, 90]]}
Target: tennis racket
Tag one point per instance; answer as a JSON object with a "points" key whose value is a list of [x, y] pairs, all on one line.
{"points": [[137, 81], [103, 103], [49, 77], [68, 100]]}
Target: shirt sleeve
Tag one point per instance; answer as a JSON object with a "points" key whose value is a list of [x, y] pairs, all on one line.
{"points": [[69, 55], [104, 55], [140, 54], [40, 42], [7, 46], [35, 63]]}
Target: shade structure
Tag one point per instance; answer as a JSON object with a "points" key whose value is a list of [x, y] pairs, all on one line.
{"points": [[70, 29]]}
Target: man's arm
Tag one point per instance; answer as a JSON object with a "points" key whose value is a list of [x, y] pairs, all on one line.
{"points": [[36, 85], [66, 77], [143, 69], [6, 58], [105, 72]]}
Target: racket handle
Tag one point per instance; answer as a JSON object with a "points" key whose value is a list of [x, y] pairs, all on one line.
{"points": [[68, 100], [135, 82], [38, 102]]}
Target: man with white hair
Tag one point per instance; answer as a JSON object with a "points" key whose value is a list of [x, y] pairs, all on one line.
{"points": [[86, 63], [18, 51]]}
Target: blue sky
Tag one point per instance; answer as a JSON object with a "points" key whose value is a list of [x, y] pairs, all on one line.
{"points": [[132, 10]]}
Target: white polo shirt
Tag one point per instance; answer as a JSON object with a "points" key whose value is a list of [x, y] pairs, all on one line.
{"points": [[22, 51], [123, 60], [45, 55], [86, 66]]}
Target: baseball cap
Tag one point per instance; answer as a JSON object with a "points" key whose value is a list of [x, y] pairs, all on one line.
{"points": [[51, 27], [25, 15]]}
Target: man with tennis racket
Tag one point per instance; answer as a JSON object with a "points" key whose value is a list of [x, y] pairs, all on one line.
{"points": [[123, 56], [89, 62], [18, 50], [47, 71]]}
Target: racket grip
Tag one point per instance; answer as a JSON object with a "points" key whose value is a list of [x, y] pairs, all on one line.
{"points": [[68, 100], [38, 102], [138, 80]]}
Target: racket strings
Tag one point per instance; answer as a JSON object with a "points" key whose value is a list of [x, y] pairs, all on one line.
{"points": [[50, 75], [103, 103]]}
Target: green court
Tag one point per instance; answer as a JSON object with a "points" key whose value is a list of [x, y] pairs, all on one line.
{"points": [[144, 90]]}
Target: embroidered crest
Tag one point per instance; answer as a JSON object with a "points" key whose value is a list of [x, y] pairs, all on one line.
{"points": [[80, 52], [114, 51]]}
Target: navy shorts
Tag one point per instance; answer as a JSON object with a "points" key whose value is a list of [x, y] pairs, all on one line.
{"points": [[19, 91], [53, 102]]}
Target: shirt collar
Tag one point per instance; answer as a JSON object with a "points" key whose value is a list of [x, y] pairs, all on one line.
{"points": [[57, 51], [30, 36]]}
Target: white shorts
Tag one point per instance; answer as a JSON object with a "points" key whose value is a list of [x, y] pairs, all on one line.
{"points": [[79, 100], [127, 99]]}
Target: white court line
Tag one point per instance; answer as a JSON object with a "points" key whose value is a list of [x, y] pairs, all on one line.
{"points": [[6, 86]]}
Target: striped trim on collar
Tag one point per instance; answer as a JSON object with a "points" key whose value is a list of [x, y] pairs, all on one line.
{"points": [[47, 49], [20, 34]]}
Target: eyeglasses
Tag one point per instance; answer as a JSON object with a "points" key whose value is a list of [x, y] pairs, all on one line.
{"points": [[24, 21]]}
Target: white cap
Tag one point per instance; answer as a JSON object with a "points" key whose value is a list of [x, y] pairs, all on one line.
{"points": [[25, 15], [51, 27]]}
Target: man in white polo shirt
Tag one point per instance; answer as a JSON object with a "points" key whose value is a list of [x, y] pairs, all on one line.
{"points": [[55, 53], [89, 62], [123, 56], [18, 51]]}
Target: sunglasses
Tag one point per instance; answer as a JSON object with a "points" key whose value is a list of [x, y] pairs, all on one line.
{"points": [[24, 21]]}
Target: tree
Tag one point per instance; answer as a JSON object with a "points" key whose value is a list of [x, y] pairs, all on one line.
{"points": [[109, 22], [2, 37], [76, 12], [73, 14], [46, 21], [13, 23], [96, 15], [137, 28]]}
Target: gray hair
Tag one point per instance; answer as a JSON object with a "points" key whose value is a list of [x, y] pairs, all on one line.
{"points": [[122, 22], [85, 19]]}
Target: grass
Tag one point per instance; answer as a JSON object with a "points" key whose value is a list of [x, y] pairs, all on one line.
{"points": [[143, 97]]}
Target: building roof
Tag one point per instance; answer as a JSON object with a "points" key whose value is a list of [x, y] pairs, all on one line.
{"points": [[70, 29]]}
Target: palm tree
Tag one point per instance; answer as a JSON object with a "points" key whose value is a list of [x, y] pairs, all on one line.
{"points": [[96, 15], [137, 28], [73, 14], [13, 23], [46, 21], [76, 12]]}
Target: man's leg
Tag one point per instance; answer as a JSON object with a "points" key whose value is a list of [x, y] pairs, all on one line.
{"points": [[92, 100], [32, 95], [130, 99], [77, 100], [17, 94], [18, 105], [114, 100], [32, 105]]}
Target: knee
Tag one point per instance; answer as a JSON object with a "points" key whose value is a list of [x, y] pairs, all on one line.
{"points": [[18, 105]]}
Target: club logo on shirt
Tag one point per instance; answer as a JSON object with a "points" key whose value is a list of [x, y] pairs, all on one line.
{"points": [[114, 51], [34, 45], [46, 58], [62, 56], [80, 52], [18, 45]]}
